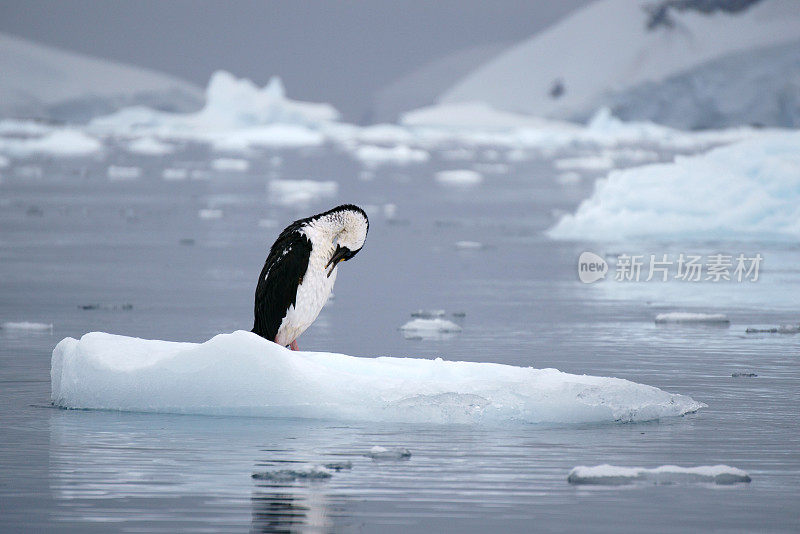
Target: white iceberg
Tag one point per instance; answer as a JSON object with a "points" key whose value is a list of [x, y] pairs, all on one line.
{"points": [[293, 192], [237, 115], [748, 190], [688, 317], [243, 374], [612, 475]]}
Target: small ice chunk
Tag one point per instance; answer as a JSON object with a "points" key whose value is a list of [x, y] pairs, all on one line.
{"points": [[150, 146], [459, 177], [373, 156], [27, 325], [59, 143], [230, 164], [382, 453], [119, 173], [782, 329], [339, 466], [433, 329], [687, 317], [469, 245], [292, 192], [209, 213], [290, 475], [174, 174], [428, 314], [612, 475]]}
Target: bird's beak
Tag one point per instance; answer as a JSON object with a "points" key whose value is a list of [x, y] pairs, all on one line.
{"points": [[339, 254]]}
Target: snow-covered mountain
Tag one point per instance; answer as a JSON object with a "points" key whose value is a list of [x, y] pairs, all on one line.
{"points": [[688, 63], [41, 82]]}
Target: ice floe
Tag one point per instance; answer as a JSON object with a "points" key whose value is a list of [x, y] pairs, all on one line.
{"points": [[692, 318], [748, 190], [27, 325], [374, 156], [314, 472], [230, 164], [64, 142], [612, 475], [150, 146], [434, 328], [243, 374], [293, 192], [382, 453], [782, 329], [459, 177]]}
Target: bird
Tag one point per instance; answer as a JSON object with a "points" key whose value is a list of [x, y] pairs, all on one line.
{"points": [[300, 271]]}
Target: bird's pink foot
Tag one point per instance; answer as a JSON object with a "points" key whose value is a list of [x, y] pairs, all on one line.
{"points": [[293, 345]]}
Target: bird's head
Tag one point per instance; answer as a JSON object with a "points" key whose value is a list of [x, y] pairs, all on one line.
{"points": [[347, 226]]}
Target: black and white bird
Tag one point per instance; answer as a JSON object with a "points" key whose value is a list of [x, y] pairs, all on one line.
{"points": [[301, 268]]}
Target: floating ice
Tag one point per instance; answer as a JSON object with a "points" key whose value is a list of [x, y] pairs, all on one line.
{"points": [[314, 472], [687, 317], [612, 475], [118, 173], [230, 164], [782, 329], [428, 314], [382, 453], [749, 190], [373, 156], [459, 177], [743, 374], [469, 245], [436, 328], [27, 325], [150, 146], [65, 143], [293, 192], [244, 374]]}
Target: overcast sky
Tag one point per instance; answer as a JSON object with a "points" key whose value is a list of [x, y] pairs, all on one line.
{"points": [[336, 51]]}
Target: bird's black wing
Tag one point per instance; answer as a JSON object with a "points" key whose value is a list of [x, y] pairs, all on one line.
{"points": [[282, 274]]}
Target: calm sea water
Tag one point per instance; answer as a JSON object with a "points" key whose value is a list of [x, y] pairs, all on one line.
{"points": [[136, 254]]}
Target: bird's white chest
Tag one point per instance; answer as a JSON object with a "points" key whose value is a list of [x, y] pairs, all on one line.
{"points": [[312, 294]]}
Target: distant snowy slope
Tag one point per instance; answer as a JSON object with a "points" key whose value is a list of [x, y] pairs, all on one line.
{"points": [[38, 81], [611, 46], [422, 86]]}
